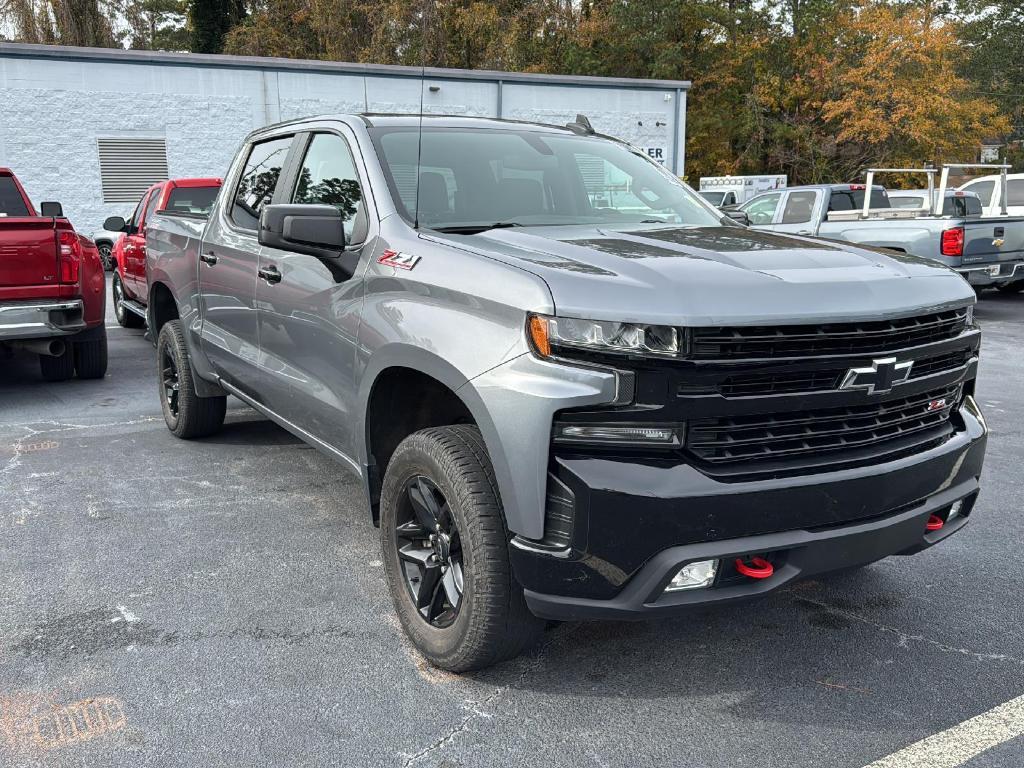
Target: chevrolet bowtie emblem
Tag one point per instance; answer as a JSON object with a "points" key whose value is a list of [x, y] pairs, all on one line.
{"points": [[998, 242], [880, 377]]}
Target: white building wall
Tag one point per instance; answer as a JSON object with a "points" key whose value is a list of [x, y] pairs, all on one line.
{"points": [[53, 107]]}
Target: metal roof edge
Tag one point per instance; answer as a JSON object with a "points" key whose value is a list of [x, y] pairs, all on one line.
{"points": [[123, 56]]}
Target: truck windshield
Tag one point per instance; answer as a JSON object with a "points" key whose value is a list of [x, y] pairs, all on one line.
{"points": [[11, 202], [472, 179]]}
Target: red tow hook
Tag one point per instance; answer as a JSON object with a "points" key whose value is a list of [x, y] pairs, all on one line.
{"points": [[934, 523], [758, 568]]}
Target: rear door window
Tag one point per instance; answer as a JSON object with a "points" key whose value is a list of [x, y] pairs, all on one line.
{"points": [[761, 210], [258, 180], [799, 207], [11, 202]]}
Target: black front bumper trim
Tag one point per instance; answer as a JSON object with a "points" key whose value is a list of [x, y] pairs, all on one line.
{"points": [[801, 554]]}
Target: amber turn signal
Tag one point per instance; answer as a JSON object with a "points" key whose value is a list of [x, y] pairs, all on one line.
{"points": [[539, 336]]}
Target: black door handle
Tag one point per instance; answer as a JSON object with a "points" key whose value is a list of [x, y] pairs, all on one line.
{"points": [[209, 258], [270, 274]]}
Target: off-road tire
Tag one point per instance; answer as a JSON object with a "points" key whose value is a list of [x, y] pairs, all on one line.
{"points": [[59, 368], [493, 623], [125, 317], [196, 416], [91, 357]]}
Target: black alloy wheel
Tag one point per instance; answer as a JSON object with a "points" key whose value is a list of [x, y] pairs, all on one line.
{"points": [[171, 382], [430, 552]]}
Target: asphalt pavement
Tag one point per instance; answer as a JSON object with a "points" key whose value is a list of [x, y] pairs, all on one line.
{"points": [[222, 603]]}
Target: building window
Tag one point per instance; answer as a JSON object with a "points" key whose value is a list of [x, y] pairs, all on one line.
{"points": [[130, 166]]}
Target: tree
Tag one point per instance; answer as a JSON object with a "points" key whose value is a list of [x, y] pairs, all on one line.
{"points": [[61, 22], [210, 22], [157, 25]]}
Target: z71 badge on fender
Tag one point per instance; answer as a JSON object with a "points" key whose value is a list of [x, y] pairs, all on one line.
{"points": [[399, 260]]}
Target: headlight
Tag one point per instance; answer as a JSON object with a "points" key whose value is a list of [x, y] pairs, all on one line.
{"points": [[549, 333]]}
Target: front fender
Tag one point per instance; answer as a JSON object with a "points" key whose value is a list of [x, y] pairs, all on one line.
{"points": [[514, 405]]}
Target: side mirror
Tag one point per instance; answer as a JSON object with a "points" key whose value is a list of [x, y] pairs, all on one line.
{"points": [[317, 230], [740, 217], [52, 210], [115, 224]]}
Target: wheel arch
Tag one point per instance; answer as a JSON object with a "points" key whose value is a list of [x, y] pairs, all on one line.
{"points": [[403, 390]]}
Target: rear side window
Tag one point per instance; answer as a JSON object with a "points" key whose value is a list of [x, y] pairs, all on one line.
{"points": [[328, 177], [259, 179], [799, 206], [11, 202], [982, 189], [194, 201]]}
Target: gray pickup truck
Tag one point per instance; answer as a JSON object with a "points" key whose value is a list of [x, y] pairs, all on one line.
{"points": [[571, 388], [987, 251]]}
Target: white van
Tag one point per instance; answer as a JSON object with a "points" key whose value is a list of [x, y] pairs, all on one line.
{"points": [[722, 191]]}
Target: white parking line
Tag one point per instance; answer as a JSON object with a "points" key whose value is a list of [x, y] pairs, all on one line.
{"points": [[957, 745]]}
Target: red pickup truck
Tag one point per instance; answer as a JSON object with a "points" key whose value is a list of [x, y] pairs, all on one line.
{"points": [[52, 297], [192, 198]]}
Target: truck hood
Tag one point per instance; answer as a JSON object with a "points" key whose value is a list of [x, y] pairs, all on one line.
{"points": [[717, 275]]}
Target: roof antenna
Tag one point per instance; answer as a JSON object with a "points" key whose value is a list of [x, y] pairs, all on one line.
{"points": [[419, 138], [581, 125]]}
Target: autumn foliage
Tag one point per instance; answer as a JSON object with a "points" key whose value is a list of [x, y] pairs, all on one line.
{"points": [[816, 89]]}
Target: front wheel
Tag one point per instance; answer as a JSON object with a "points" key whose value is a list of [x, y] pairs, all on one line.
{"points": [[445, 550], [187, 415]]}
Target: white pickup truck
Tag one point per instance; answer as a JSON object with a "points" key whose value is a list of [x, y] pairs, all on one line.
{"points": [[988, 251]]}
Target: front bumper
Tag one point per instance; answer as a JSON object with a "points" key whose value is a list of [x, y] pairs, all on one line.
{"points": [[636, 525], [40, 319]]}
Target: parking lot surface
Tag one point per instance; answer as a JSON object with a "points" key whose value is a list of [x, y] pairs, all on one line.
{"points": [[222, 603]]}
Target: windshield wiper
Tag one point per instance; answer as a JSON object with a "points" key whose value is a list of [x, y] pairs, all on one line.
{"points": [[475, 229]]}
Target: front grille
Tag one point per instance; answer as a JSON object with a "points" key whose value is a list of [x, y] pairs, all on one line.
{"points": [[779, 383], [760, 342], [761, 437]]}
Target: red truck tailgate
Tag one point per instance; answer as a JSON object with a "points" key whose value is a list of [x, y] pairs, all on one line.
{"points": [[28, 251]]}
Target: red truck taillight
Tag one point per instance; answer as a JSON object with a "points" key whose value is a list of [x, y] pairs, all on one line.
{"points": [[952, 242], [70, 255]]}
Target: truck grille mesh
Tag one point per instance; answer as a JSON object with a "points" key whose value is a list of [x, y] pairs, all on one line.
{"points": [[759, 342], [757, 384], [811, 432]]}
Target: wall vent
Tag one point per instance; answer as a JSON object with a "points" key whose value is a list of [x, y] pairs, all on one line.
{"points": [[129, 166]]}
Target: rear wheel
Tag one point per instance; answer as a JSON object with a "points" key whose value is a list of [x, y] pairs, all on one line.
{"points": [[187, 415], [125, 317], [91, 357], [60, 368], [445, 549]]}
